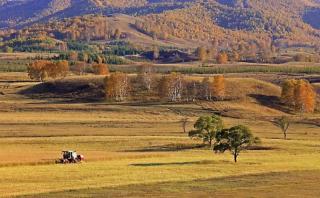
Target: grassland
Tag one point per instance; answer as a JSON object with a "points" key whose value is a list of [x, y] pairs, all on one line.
{"points": [[200, 68], [135, 150]]}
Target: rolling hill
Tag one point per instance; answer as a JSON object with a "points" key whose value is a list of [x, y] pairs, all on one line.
{"points": [[282, 23]]}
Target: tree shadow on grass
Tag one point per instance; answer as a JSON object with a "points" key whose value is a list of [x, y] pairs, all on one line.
{"points": [[270, 101], [60, 92], [175, 163], [169, 147]]}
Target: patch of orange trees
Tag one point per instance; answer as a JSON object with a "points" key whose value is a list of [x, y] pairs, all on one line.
{"points": [[172, 87], [42, 69], [100, 69], [299, 94]]}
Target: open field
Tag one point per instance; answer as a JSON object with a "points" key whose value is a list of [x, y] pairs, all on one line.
{"points": [[302, 68], [136, 150]]}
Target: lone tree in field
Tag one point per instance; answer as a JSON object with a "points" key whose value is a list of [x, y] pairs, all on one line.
{"points": [[184, 122], [235, 140], [283, 123], [206, 128]]}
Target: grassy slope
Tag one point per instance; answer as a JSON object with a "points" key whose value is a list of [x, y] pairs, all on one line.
{"points": [[126, 23]]}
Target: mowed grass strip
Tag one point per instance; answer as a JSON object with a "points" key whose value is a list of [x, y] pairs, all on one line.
{"points": [[279, 184]]}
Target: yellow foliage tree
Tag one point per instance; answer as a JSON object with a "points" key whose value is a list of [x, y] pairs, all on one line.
{"points": [[217, 87], [171, 87], [305, 97], [202, 53], [117, 86], [100, 69], [222, 58], [300, 94], [287, 93]]}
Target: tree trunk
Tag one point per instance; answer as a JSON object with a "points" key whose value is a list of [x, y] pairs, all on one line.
{"points": [[285, 135], [235, 157]]}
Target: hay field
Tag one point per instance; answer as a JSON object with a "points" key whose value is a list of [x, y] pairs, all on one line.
{"points": [[140, 150]]}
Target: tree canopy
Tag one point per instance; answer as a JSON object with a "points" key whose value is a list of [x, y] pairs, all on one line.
{"points": [[235, 140], [206, 128]]}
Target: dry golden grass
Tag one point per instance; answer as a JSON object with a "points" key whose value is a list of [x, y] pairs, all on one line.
{"points": [[180, 166], [131, 149]]}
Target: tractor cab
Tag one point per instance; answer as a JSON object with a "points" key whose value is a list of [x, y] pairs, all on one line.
{"points": [[70, 157]]}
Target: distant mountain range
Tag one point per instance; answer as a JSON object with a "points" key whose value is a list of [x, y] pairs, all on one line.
{"points": [[290, 21]]}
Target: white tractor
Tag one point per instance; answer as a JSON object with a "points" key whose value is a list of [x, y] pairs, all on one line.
{"points": [[70, 157]]}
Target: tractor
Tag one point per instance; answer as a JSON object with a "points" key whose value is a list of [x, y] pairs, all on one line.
{"points": [[70, 157]]}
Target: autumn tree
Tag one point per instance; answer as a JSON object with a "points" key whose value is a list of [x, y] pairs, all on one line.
{"points": [[184, 122], [84, 57], [283, 123], [59, 69], [117, 86], [100, 69], [201, 53], [42, 69], [80, 67], [211, 53], [191, 90], [205, 88], [287, 93], [206, 128], [235, 140], [305, 97], [117, 34], [299, 94], [217, 87], [222, 58], [146, 76], [99, 60], [37, 70], [73, 56], [171, 87], [235, 56]]}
